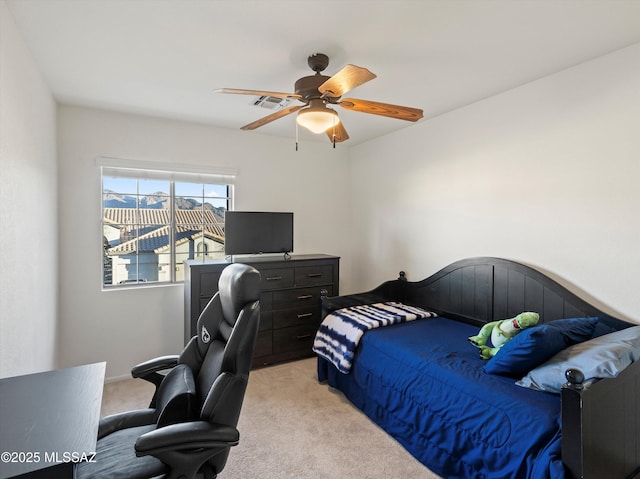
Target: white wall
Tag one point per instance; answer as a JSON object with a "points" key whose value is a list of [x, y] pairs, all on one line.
{"points": [[28, 210], [545, 174], [125, 327]]}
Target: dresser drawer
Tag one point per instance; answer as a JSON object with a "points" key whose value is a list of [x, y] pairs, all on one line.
{"points": [[294, 298], [295, 338], [266, 301], [264, 344], [296, 317], [209, 283], [312, 275], [203, 302], [276, 278], [266, 320]]}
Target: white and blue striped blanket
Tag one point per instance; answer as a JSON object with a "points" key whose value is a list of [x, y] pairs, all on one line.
{"points": [[340, 332]]}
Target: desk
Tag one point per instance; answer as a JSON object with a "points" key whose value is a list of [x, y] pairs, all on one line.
{"points": [[49, 420]]}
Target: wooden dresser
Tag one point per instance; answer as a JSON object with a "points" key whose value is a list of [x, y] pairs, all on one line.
{"points": [[289, 300]]}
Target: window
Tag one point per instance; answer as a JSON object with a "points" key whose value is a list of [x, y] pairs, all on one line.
{"points": [[152, 221]]}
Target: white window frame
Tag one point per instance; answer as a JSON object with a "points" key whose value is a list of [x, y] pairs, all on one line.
{"points": [[137, 169]]}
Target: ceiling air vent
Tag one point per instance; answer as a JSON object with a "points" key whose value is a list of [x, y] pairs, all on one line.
{"points": [[271, 102]]}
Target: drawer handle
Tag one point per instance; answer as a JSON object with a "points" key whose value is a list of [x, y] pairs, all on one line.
{"points": [[274, 278], [304, 315], [314, 275], [303, 336], [305, 296]]}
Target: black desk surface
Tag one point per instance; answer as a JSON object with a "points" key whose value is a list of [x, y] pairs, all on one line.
{"points": [[49, 419]]}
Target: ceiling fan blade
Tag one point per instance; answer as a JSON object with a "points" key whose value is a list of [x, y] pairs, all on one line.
{"points": [[237, 91], [272, 117], [339, 132], [345, 80], [383, 109]]}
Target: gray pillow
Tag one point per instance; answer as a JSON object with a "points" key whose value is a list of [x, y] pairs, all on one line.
{"points": [[602, 357]]}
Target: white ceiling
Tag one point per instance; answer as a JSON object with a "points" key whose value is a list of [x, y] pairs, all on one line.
{"points": [[164, 57]]}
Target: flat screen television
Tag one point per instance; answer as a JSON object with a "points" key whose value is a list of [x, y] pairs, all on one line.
{"points": [[255, 232]]}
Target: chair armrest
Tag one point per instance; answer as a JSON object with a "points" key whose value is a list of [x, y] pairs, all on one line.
{"points": [[154, 365], [187, 435]]}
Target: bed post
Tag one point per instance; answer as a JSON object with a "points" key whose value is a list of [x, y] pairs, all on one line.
{"points": [[600, 425], [571, 412]]}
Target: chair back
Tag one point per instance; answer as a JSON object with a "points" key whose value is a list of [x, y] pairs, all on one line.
{"points": [[227, 332], [235, 290]]}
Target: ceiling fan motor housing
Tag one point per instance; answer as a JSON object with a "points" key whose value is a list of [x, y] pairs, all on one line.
{"points": [[307, 87]]}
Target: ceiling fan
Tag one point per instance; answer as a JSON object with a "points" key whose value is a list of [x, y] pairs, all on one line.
{"points": [[317, 91]]}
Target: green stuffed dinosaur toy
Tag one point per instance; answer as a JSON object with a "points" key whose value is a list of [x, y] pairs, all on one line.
{"points": [[500, 332]]}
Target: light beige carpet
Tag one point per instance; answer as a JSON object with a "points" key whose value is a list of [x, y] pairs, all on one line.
{"points": [[293, 427]]}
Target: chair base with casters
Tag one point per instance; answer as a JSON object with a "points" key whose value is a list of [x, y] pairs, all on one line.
{"points": [[190, 426]]}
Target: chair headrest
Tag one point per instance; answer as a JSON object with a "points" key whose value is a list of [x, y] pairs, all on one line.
{"points": [[239, 285]]}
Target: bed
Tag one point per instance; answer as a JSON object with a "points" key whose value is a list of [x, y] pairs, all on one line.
{"points": [[426, 385]]}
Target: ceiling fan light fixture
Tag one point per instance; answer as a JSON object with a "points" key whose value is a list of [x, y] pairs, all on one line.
{"points": [[317, 118]]}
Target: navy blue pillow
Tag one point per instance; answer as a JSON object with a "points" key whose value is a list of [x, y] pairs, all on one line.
{"points": [[535, 345]]}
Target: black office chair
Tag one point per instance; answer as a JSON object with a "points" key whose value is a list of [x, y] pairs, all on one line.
{"points": [[191, 424]]}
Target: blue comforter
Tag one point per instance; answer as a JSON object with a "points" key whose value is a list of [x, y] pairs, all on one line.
{"points": [[423, 383]]}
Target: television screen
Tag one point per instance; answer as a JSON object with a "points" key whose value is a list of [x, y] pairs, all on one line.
{"points": [[255, 232]]}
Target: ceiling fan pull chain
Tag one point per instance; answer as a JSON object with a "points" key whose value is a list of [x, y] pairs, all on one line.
{"points": [[296, 136], [334, 132]]}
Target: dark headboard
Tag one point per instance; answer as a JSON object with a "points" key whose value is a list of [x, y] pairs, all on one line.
{"points": [[483, 289]]}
